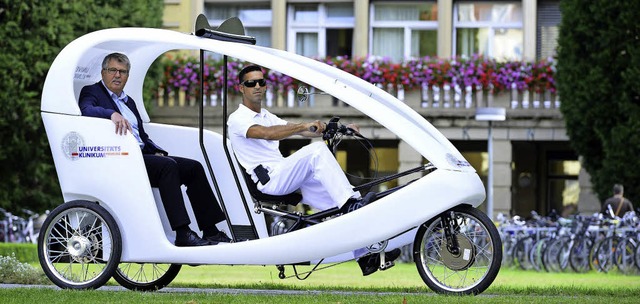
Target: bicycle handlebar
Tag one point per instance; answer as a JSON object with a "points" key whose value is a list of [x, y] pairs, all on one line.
{"points": [[334, 128]]}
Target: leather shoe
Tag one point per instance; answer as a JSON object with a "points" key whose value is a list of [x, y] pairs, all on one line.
{"points": [[190, 238], [354, 204], [219, 237], [370, 263]]}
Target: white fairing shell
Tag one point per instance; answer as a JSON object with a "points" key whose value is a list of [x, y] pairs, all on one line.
{"points": [[95, 164]]}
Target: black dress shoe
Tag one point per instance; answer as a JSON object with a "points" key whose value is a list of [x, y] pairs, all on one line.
{"points": [[370, 263], [354, 204], [190, 238], [219, 237], [392, 255]]}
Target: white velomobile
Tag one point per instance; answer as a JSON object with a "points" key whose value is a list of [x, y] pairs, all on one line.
{"points": [[112, 223]]}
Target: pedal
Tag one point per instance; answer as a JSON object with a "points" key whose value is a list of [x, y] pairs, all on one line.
{"points": [[386, 265], [281, 274]]}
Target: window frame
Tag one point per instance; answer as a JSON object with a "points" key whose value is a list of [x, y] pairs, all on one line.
{"points": [[492, 26], [407, 26], [318, 27]]}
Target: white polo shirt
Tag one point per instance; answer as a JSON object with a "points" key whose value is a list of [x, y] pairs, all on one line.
{"points": [[252, 152]]}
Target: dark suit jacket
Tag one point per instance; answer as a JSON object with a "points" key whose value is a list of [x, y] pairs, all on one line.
{"points": [[96, 102]]}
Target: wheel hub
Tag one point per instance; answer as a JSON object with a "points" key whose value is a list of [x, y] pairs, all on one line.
{"points": [[78, 246], [461, 258]]}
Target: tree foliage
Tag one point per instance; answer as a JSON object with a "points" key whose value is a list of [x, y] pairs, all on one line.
{"points": [[32, 33], [598, 74]]}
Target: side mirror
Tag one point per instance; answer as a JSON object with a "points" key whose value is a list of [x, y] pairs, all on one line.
{"points": [[303, 93]]}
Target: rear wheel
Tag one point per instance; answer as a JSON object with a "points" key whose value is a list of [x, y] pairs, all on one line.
{"points": [[604, 254], [521, 253], [579, 255], [79, 246], [536, 254], [468, 268], [636, 257], [624, 256], [146, 276]]}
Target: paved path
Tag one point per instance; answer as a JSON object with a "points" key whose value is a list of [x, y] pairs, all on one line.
{"points": [[226, 290]]}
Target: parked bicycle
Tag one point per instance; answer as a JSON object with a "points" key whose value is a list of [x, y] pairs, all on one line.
{"points": [[578, 243]]}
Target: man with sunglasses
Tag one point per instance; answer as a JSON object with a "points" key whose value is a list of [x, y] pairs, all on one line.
{"points": [[106, 99], [255, 134]]}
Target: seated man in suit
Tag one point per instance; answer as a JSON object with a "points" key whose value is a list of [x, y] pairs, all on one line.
{"points": [[106, 99]]}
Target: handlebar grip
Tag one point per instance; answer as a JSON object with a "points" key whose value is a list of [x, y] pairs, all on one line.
{"points": [[313, 129]]}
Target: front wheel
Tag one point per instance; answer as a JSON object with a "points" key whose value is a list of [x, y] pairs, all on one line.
{"points": [[146, 277], [467, 267], [79, 246]]}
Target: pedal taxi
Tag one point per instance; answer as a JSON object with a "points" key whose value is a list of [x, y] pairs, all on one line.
{"points": [[104, 229]]}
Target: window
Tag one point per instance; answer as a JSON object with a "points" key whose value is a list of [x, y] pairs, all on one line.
{"points": [[256, 18], [402, 31], [490, 29], [548, 24], [320, 30]]}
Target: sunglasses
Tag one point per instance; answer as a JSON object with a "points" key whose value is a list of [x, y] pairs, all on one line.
{"points": [[252, 83]]}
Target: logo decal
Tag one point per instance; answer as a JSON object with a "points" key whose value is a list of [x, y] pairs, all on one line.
{"points": [[74, 148], [71, 144], [456, 162]]}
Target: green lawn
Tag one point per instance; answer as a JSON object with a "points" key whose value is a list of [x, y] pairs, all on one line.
{"points": [[344, 284], [403, 277]]}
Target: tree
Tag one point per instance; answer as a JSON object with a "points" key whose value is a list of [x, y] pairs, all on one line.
{"points": [[598, 74], [32, 34]]}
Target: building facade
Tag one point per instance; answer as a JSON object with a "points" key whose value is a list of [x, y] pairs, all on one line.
{"points": [[534, 168]]}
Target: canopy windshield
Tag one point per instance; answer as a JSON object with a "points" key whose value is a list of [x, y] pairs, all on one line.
{"points": [[78, 64]]}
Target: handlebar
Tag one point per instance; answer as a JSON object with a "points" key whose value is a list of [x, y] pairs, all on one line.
{"points": [[333, 129]]}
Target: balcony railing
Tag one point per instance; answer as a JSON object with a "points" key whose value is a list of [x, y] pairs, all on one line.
{"points": [[434, 97], [448, 88]]}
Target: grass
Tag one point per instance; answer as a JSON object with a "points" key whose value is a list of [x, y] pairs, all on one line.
{"points": [[344, 284], [402, 278]]}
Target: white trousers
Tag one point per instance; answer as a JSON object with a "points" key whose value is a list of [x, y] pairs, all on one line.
{"points": [[315, 171]]}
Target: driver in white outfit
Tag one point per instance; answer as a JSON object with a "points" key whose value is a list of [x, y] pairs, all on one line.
{"points": [[255, 135]]}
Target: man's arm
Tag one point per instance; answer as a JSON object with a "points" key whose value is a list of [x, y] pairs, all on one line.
{"points": [[284, 131], [91, 106]]}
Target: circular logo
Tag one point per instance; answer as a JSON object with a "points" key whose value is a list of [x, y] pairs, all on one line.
{"points": [[70, 145]]}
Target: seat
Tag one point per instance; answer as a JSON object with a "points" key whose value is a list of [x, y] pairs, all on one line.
{"points": [[290, 199]]}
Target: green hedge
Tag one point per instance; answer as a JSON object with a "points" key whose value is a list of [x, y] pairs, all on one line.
{"points": [[32, 33], [25, 253]]}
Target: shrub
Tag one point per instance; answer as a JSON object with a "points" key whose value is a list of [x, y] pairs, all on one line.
{"points": [[12, 271], [26, 253]]}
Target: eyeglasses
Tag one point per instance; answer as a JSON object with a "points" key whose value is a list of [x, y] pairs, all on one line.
{"points": [[252, 83], [112, 71]]}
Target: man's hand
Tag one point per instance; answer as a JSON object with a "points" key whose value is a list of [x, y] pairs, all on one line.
{"points": [[122, 125], [316, 127], [354, 127]]}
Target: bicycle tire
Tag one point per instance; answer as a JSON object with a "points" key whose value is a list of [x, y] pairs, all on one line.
{"points": [[579, 255], [472, 268]]}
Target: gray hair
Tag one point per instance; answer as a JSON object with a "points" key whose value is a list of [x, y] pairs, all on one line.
{"points": [[122, 58]]}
